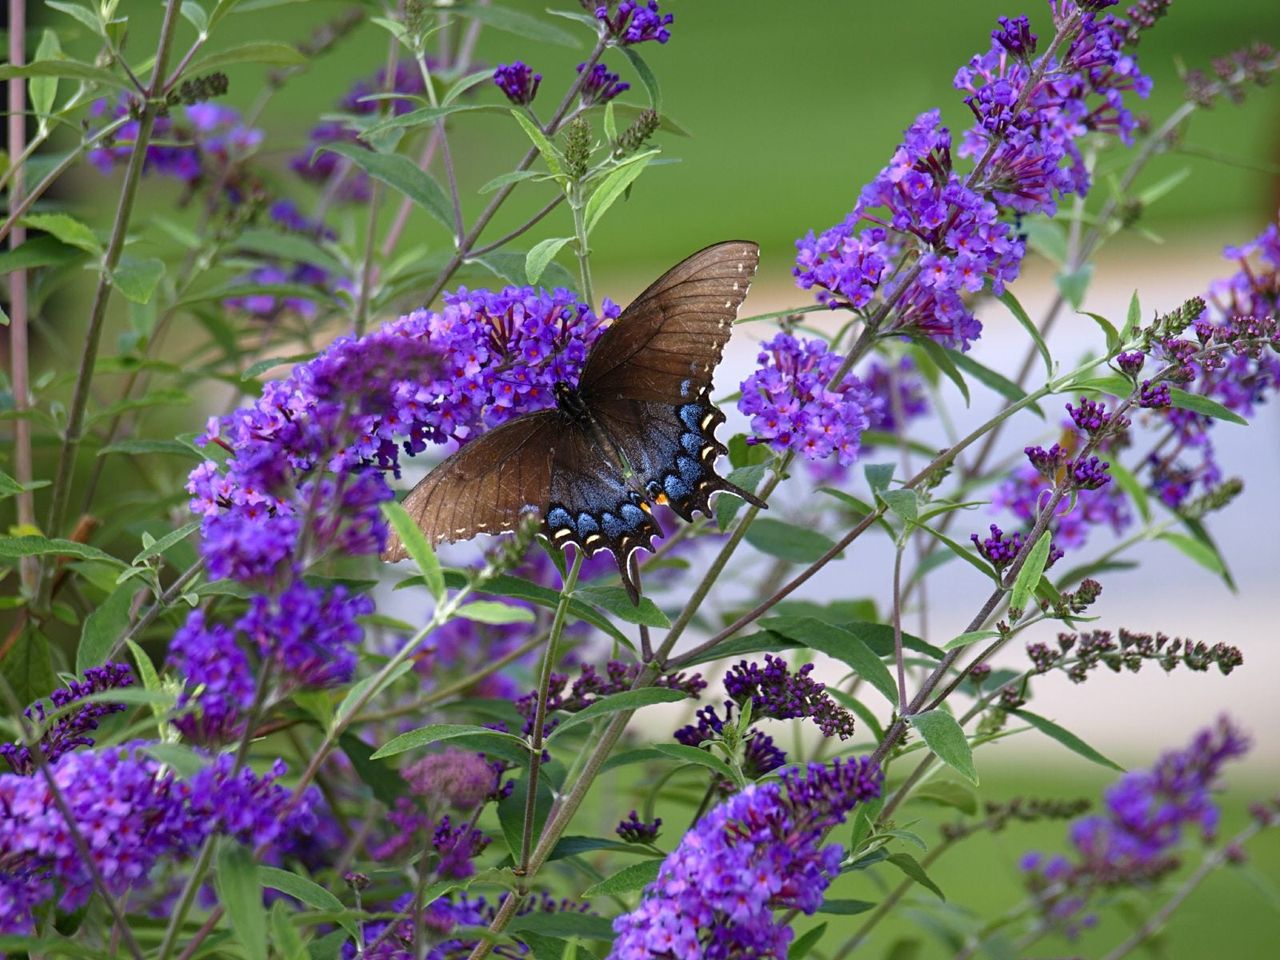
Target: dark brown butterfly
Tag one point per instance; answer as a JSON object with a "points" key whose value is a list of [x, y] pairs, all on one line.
{"points": [[638, 428]]}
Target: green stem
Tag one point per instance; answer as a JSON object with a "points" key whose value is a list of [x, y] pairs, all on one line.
{"points": [[578, 204], [549, 659], [61, 492]]}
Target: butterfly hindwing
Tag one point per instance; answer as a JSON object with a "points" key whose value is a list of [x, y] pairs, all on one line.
{"points": [[593, 506], [667, 343], [487, 485]]}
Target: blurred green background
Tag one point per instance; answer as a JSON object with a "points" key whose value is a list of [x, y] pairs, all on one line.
{"points": [[791, 107]]}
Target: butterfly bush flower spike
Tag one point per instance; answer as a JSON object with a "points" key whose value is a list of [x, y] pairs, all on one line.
{"points": [[794, 408], [759, 852], [518, 82]]}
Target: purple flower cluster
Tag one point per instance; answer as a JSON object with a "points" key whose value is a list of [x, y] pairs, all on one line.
{"points": [[898, 394], [1241, 312], [455, 778], [210, 141], [1030, 113], [635, 830], [409, 830], [794, 407], [600, 85], [218, 679], [133, 813], [635, 22], [760, 754], [778, 693], [1000, 550], [267, 305], [348, 183], [757, 852], [921, 237], [1135, 839], [518, 82], [591, 686], [1027, 489], [71, 729]]}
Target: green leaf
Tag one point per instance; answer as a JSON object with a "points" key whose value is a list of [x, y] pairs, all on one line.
{"points": [[194, 14], [546, 948], [550, 155], [9, 487], [66, 228], [1075, 285], [521, 24], [727, 504], [434, 733], [505, 585], [136, 277], [989, 378], [358, 690], [28, 668], [565, 924], [387, 785], [1132, 319], [635, 877], [903, 502], [44, 90], [646, 75], [1066, 738], [946, 739], [184, 761], [787, 541], [306, 891], [104, 626], [418, 547], [1199, 403], [804, 943], [262, 366], [947, 793], [491, 611], [139, 447], [612, 187], [1197, 550], [401, 174], [911, 867], [543, 253], [845, 908], [463, 84], [879, 476], [42, 251], [1108, 330], [844, 645], [13, 548], [424, 116], [966, 639], [1019, 314], [696, 755], [1030, 573], [1127, 482], [240, 893], [1046, 237], [615, 601], [942, 360], [65, 68], [515, 176], [618, 702], [511, 811], [257, 51], [167, 541], [146, 671]]}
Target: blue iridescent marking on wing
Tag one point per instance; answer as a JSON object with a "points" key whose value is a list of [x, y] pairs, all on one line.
{"points": [[632, 515], [690, 470], [587, 525], [559, 518], [675, 488], [692, 443], [691, 416]]}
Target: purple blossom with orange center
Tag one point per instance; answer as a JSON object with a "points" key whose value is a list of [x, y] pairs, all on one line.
{"points": [[718, 894], [794, 407]]}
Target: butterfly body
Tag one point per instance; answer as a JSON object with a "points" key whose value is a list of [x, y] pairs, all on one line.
{"points": [[637, 429]]}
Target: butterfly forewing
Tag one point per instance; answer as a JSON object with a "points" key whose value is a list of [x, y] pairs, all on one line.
{"points": [[487, 485], [665, 346]]}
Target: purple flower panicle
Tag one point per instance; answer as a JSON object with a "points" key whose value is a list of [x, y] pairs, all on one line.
{"points": [[600, 85], [635, 21], [635, 830], [756, 853], [794, 407], [781, 694], [71, 729], [518, 82]]}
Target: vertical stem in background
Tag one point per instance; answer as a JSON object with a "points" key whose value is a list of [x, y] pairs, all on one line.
{"points": [[580, 244], [61, 492], [549, 658], [18, 349], [898, 657]]}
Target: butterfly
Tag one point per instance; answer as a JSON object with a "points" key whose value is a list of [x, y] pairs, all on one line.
{"points": [[637, 429]]}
